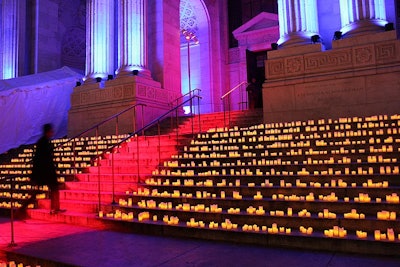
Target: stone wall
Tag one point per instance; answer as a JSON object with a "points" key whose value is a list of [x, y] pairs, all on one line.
{"points": [[360, 76], [91, 104]]}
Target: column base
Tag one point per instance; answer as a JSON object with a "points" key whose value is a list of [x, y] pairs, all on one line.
{"points": [[129, 70], [296, 39], [92, 77], [362, 27]]}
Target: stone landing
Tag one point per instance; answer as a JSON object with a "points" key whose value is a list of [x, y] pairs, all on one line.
{"points": [[93, 103], [360, 76]]}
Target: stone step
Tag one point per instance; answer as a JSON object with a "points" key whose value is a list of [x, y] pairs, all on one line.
{"points": [[74, 205], [89, 196], [69, 217], [133, 160], [268, 192], [104, 186], [80, 206], [106, 177], [315, 241], [122, 169], [145, 156], [338, 207], [370, 224]]}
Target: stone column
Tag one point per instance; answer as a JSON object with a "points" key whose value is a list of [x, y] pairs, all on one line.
{"points": [[362, 16], [132, 32], [298, 21], [99, 39], [10, 40]]}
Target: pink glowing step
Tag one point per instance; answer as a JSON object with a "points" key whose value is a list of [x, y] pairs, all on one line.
{"points": [[89, 196], [106, 177], [104, 186], [69, 217]]}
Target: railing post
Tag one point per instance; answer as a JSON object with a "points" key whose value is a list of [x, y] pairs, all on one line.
{"points": [[198, 111], [137, 157], [241, 97], [134, 120], [192, 114], [113, 177], [159, 142], [229, 111], [142, 120], [74, 160], [223, 105], [177, 127], [116, 127], [12, 243], [98, 168]]}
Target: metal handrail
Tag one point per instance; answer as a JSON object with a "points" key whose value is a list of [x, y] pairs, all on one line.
{"points": [[101, 123], [187, 94], [136, 133], [228, 94], [150, 124], [11, 177], [233, 89]]}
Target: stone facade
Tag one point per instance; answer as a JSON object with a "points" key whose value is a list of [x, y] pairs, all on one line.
{"points": [[360, 76], [91, 104]]}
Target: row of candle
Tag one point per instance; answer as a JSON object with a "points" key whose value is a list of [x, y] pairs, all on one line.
{"points": [[16, 204], [304, 172], [354, 215], [333, 183], [380, 159], [289, 137], [233, 150], [170, 220], [386, 215], [258, 211], [6, 194], [362, 197], [389, 235], [382, 215], [336, 232], [14, 264], [321, 143]]}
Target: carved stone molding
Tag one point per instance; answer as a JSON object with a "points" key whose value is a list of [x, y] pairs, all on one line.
{"points": [[344, 59]]}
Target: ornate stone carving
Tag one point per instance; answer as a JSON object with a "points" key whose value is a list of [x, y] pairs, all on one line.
{"points": [[150, 92], [294, 65], [118, 92], [141, 90], [386, 52], [128, 91], [332, 60], [275, 68], [364, 55]]}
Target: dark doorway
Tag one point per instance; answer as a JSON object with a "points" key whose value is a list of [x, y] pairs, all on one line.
{"points": [[255, 62]]}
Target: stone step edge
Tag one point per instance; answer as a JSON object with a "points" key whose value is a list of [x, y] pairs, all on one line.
{"points": [[89, 220], [316, 241], [339, 217]]}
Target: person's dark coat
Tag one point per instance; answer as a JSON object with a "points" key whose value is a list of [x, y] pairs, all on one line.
{"points": [[43, 170]]}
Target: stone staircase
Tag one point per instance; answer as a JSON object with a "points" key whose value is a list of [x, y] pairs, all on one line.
{"points": [[325, 184], [134, 161]]}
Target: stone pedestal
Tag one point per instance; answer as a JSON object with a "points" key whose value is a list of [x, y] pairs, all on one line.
{"points": [[360, 76], [91, 104]]}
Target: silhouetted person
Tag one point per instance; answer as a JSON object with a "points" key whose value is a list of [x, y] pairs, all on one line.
{"points": [[44, 170], [252, 91]]}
